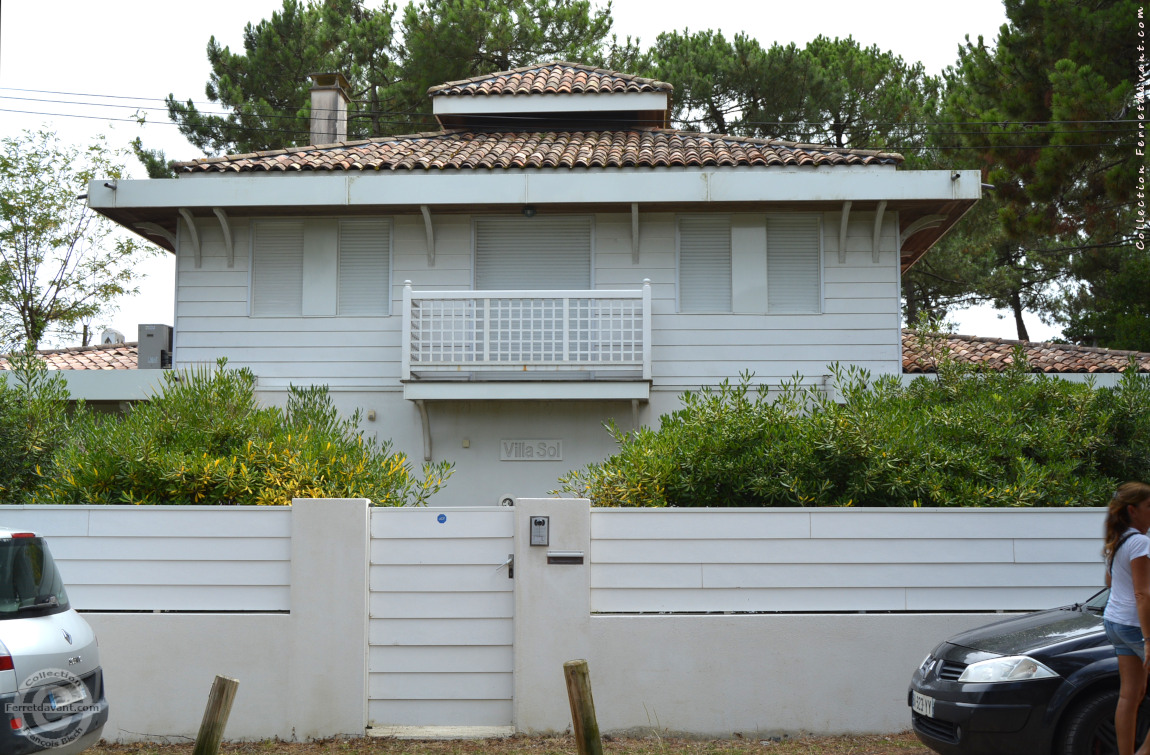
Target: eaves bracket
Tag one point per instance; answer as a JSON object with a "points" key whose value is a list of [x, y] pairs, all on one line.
{"points": [[228, 240], [929, 221], [155, 229], [878, 213], [193, 233], [634, 233], [430, 230], [843, 218]]}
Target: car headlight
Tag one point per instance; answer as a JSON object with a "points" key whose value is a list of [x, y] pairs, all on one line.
{"points": [[1014, 668]]}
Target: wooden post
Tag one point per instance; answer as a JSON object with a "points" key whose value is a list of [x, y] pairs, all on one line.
{"points": [[582, 708], [216, 716]]}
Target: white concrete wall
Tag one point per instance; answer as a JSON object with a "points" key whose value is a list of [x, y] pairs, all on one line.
{"points": [[719, 673], [302, 673], [842, 559], [167, 558], [444, 619]]}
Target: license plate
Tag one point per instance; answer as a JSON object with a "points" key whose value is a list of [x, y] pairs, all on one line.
{"points": [[922, 704], [66, 695]]}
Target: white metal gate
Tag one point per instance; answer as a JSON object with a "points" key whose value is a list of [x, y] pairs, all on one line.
{"points": [[442, 609]]}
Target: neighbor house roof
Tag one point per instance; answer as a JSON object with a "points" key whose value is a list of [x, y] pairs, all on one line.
{"points": [[117, 356], [549, 78], [919, 355], [992, 353], [479, 150]]}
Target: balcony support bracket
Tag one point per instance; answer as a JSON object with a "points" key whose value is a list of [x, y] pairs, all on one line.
{"points": [[419, 404]]}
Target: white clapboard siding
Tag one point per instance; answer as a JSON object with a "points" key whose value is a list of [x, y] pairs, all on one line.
{"points": [[167, 558], [858, 324], [796, 560], [441, 626]]}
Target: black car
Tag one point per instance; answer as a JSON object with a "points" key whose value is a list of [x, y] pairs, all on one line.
{"points": [[1043, 683]]}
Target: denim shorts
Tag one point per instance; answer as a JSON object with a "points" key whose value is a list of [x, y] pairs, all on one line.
{"points": [[1127, 639]]}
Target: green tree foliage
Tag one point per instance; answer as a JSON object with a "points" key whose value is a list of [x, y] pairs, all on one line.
{"points": [[967, 439], [265, 86], [1110, 306], [33, 424], [449, 40], [1051, 105], [833, 91], [61, 264], [205, 440], [1049, 113]]}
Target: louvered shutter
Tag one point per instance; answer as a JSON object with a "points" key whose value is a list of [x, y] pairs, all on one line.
{"points": [[364, 264], [793, 261], [277, 268], [551, 253], [705, 264]]}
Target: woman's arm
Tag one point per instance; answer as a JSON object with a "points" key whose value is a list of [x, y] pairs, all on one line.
{"points": [[1140, 571]]}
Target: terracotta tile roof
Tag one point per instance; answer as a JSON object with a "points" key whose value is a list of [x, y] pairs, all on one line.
{"points": [[997, 353], [993, 353], [117, 356], [549, 78], [480, 150]]}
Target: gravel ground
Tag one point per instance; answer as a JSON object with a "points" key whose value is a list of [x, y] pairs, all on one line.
{"points": [[870, 744]]}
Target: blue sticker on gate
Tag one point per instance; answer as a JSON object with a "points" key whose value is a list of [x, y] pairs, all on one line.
{"points": [[441, 518]]}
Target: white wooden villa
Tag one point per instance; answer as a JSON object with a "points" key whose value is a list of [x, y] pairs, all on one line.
{"points": [[554, 257]]}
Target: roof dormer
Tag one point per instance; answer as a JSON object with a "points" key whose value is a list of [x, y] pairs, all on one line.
{"points": [[550, 95]]}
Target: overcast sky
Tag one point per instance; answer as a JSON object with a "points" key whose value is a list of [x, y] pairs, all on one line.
{"points": [[107, 60]]}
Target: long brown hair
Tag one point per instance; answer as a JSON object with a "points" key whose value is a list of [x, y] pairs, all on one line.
{"points": [[1118, 513]]}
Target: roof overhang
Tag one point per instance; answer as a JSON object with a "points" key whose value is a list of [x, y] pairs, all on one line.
{"points": [[585, 102], [929, 202]]}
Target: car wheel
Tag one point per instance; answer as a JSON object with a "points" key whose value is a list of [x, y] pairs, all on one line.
{"points": [[1089, 727]]}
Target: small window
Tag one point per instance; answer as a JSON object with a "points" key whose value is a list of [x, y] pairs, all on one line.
{"points": [[794, 283], [321, 267], [364, 267], [277, 268], [705, 264], [539, 253]]}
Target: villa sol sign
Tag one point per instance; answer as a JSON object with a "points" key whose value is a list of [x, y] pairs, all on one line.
{"points": [[528, 449]]}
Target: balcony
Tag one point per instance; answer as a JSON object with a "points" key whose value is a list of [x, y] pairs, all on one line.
{"points": [[526, 344]]}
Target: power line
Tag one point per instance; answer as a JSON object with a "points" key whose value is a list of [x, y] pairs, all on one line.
{"points": [[389, 113]]}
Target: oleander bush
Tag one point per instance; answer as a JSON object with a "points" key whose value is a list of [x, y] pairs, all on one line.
{"points": [[969, 438], [33, 420], [206, 440]]}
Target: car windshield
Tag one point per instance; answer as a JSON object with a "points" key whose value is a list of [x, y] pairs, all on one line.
{"points": [[30, 585], [1097, 603]]}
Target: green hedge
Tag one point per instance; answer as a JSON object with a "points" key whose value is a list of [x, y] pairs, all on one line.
{"points": [[968, 438], [206, 440]]}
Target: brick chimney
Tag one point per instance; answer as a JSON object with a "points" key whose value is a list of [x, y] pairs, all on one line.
{"points": [[328, 108]]}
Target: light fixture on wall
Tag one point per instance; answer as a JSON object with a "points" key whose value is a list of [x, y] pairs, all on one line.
{"points": [[529, 211]]}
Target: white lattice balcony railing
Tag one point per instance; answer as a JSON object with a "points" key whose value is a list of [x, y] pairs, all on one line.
{"points": [[533, 335]]}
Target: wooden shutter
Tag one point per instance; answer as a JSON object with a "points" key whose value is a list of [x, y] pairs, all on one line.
{"points": [[793, 264], [705, 264], [540, 253], [364, 265], [277, 268]]}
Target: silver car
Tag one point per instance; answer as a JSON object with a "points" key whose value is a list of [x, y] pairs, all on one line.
{"points": [[51, 684]]}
